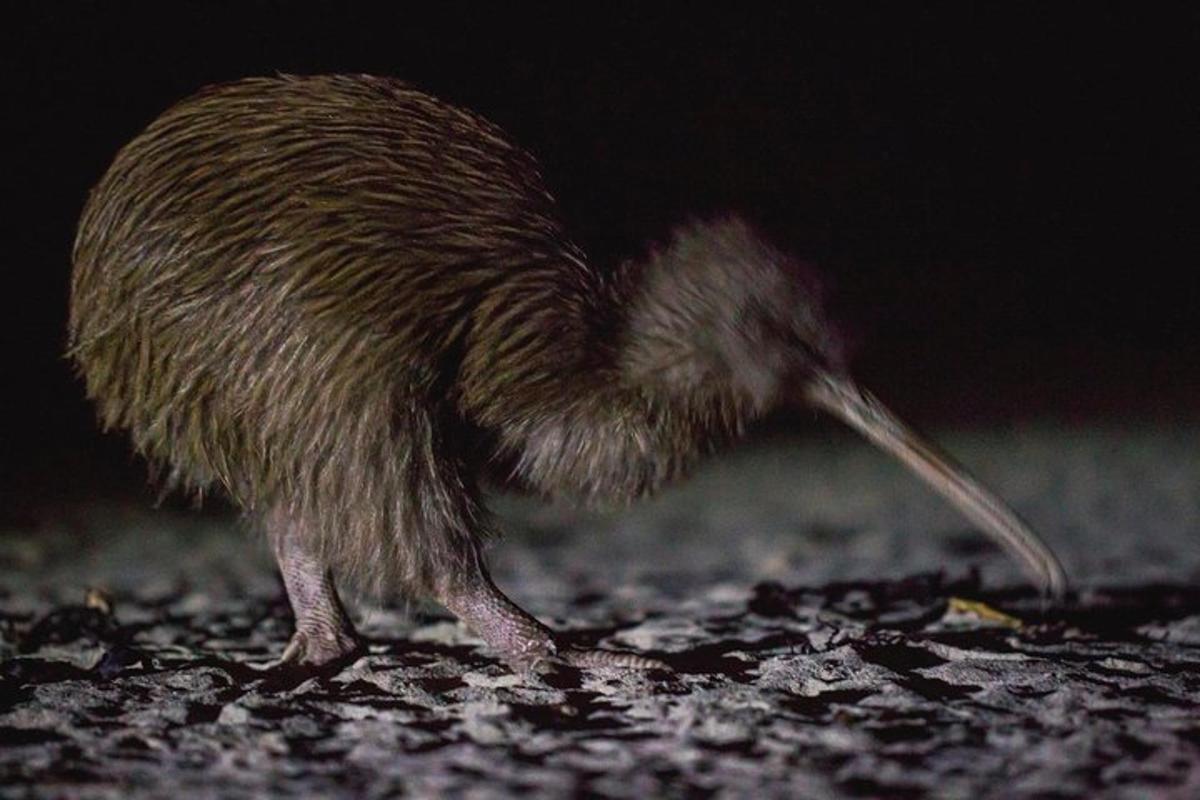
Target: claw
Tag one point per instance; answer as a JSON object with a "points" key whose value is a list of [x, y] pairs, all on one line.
{"points": [[294, 650]]}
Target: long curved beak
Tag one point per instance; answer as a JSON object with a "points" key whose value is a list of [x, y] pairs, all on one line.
{"points": [[862, 411]]}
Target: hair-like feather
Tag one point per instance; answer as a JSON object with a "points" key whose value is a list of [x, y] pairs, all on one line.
{"points": [[344, 300], [344, 297]]}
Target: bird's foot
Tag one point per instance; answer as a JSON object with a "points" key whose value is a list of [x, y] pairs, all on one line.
{"points": [[591, 657], [324, 634], [320, 645], [544, 655], [527, 645]]}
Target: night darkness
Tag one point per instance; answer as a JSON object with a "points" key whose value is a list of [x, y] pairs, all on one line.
{"points": [[1004, 204]]}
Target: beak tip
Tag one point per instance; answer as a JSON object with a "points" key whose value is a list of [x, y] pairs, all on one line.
{"points": [[1054, 584]]}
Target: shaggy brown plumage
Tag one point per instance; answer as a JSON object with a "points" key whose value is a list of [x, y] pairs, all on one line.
{"points": [[343, 298], [337, 293]]}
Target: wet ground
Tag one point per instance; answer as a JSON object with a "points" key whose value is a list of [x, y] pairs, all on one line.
{"points": [[834, 631]]}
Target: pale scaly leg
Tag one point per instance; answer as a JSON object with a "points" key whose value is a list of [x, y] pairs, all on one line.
{"points": [[324, 632], [521, 640]]}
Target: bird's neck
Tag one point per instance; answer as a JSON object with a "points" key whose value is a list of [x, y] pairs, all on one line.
{"points": [[604, 430], [592, 388], [609, 443]]}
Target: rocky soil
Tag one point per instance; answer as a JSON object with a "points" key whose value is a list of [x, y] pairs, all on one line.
{"points": [[833, 629]]}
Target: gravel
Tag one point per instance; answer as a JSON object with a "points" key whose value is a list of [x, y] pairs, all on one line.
{"points": [[833, 629]]}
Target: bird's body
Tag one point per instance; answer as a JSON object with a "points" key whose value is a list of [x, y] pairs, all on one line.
{"points": [[347, 303]]}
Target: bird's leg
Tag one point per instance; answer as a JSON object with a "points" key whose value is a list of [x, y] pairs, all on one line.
{"points": [[521, 640], [323, 632]]}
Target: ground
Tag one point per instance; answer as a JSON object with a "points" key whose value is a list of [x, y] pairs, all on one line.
{"points": [[834, 631]]}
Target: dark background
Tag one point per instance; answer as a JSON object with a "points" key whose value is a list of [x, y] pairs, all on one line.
{"points": [[1004, 200]]}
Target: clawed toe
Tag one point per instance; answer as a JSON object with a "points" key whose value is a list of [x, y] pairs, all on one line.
{"points": [[528, 646], [547, 660], [619, 659], [319, 648]]}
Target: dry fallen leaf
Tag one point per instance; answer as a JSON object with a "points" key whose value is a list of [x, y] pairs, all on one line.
{"points": [[983, 611]]}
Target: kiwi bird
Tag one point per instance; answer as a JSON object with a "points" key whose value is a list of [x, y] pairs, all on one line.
{"points": [[350, 305]]}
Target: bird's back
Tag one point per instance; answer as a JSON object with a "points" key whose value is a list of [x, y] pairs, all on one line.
{"points": [[273, 255]]}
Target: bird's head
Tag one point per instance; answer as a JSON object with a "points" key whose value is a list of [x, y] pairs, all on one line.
{"points": [[720, 313], [721, 318]]}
